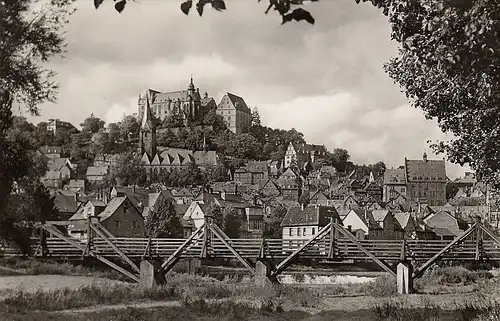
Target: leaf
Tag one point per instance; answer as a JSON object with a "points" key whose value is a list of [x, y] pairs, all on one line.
{"points": [[97, 3], [186, 6], [301, 14], [120, 5], [219, 5], [200, 5]]}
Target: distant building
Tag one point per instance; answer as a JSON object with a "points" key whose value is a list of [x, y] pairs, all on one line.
{"points": [[304, 153], [235, 112], [51, 152], [426, 181], [76, 186], [394, 184], [55, 124], [305, 222], [96, 174], [186, 103]]}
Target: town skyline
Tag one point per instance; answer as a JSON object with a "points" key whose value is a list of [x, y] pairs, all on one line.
{"points": [[334, 66]]}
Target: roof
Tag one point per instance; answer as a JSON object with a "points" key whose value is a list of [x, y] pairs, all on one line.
{"points": [[65, 204], [58, 163], [403, 218], [76, 183], [425, 170], [50, 149], [52, 174], [380, 215], [441, 231], [97, 171], [367, 218], [310, 215], [238, 102], [112, 206], [206, 101], [394, 176]]}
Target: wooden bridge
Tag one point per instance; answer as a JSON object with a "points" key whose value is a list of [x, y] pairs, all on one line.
{"points": [[264, 258]]}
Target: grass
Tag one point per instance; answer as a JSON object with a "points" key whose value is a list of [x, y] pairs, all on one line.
{"points": [[38, 267], [450, 279]]}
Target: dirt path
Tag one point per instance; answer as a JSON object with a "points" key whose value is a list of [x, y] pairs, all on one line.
{"points": [[142, 305]]}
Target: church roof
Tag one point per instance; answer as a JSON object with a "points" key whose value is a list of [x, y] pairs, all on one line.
{"points": [[147, 121]]}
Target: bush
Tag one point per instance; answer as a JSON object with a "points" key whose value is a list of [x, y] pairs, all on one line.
{"points": [[383, 286], [452, 275]]}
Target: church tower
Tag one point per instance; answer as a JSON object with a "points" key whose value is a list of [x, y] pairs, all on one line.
{"points": [[147, 132]]}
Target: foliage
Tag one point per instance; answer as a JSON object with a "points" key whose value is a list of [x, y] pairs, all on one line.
{"points": [[163, 221], [129, 170], [273, 229], [232, 223]]}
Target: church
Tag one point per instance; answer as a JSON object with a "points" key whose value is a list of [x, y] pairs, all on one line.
{"points": [[158, 158], [186, 103]]}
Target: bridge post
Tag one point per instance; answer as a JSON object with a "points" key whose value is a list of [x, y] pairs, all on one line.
{"points": [[150, 274], [263, 273], [404, 277]]}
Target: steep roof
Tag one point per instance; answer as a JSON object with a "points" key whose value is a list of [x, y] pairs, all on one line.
{"points": [[112, 206], [425, 170], [52, 174], [238, 103], [394, 176], [65, 204], [58, 163], [367, 218], [310, 215], [97, 171]]}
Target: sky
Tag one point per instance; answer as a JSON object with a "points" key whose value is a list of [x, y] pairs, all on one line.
{"points": [[327, 80]]}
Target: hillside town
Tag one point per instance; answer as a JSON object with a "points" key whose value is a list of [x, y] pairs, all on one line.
{"points": [[206, 159]]}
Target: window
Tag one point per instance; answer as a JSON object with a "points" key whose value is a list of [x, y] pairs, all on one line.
{"points": [[135, 224], [304, 231], [117, 224], [313, 231], [403, 190], [298, 231], [290, 232]]}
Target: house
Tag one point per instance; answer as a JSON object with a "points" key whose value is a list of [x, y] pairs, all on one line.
{"points": [[54, 124], [289, 188], [66, 205], [96, 174], [62, 165], [51, 151], [253, 226], [304, 153], [90, 208], [443, 224], [363, 223], [305, 222], [412, 228], [109, 160], [426, 181], [120, 217], [319, 198], [52, 179], [235, 112], [394, 184], [391, 229], [270, 189], [138, 196], [76, 186], [196, 213]]}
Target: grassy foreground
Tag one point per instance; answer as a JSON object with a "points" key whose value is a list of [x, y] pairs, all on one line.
{"points": [[206, 298]]}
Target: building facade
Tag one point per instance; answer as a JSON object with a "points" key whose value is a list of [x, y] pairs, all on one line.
{"points": [[235, 112], [426, 181], [303, 153], [186, 103], [55, 124], [394, 184]]}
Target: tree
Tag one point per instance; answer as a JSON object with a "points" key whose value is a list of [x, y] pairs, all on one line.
{"points": [[166, 138], [129, 129], [232, 223], [163, 220], [214, 212], [91, 125], [100, 142], [273, 229], [338, 159], [256, 118], [173, 121], [129, 170]]}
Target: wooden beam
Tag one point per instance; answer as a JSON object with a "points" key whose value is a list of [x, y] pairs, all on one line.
{"points": [[223, 237], [204, 247], [168, 263], [402, 257], [104, 229], [353, 239], [262, 251], [286, 262], [58, 234], [331, 251], [63, 223], [117, 250], [147, 250], [418, 272]]}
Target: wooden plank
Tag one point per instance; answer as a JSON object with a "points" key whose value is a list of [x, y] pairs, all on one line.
{"points": [[100, 258], [168, 263], [117, 250], [418, 272], [222, 236], [284, 264]]}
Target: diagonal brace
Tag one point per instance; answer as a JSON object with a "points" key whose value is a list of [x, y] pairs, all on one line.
{"points": [[175, 257], [353, 239], [223, 237], [438, 255], [287, 261], [117, 250], [57, 233]]}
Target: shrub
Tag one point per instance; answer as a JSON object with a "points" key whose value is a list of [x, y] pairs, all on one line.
{"points": [[437, 277], [383, 286]]}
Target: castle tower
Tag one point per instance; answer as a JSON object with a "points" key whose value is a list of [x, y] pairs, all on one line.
{"points": [[148, 132]]}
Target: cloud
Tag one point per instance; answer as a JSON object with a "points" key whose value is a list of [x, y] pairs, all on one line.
{"points": [[325, 80]]}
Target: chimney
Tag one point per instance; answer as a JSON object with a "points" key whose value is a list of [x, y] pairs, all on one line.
{"points": [[425, 157], [205, 95]]}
